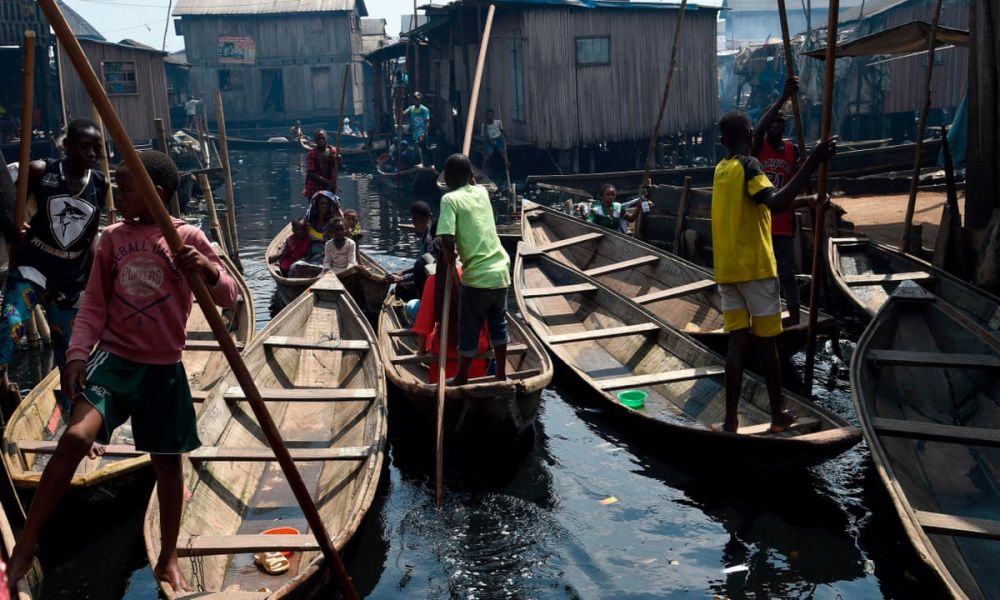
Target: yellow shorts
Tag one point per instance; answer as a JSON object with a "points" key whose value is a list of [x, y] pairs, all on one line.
{"points": [[752, 304]]}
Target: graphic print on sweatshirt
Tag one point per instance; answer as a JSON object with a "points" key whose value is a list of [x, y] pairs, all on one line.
{"points": [[144, 274], [69, 219]]}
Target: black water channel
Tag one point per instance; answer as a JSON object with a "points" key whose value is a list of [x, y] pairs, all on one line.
{"points": [[576, 511]]}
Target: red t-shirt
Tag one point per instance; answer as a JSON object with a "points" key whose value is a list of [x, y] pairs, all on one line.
{"points": [[315, 163], [779, 166], [297, 249], [426, 325]]}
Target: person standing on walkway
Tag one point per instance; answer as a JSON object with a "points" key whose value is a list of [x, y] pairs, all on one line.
{"points": [[419, 117]]}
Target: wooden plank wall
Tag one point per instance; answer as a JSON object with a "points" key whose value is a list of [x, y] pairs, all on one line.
{"points": [[137, 111], [295, 44], [17, 16]]}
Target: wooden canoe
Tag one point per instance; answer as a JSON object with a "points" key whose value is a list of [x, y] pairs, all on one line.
{"points": [[368, 285], [486, 408], [613, 344], [317, 367], [11, 515], [38, 421], [678, 292], [482, 179], [866, 272], [416, 180], [925, 379]]}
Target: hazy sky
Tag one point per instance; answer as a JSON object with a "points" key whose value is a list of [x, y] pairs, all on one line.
{"points": [[144, 20]]}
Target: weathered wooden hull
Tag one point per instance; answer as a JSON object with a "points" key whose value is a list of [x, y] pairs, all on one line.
{"points": [[40, 420], [317, 366], [418, 180], [925, 380], [612, 344], [881, 268], [481, 179], [680, 293], [489, 409], [368, 286]]}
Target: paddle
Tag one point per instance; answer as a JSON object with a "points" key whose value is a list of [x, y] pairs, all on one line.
{"points": [[506, 164], [824, 169], [205, 302], [449, 277]]}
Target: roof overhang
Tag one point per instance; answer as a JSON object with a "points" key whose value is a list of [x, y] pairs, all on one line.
{"points": [[911, 37]]}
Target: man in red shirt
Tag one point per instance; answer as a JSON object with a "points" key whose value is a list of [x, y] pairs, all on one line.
{"points": [[779, 158], [322, 163]]}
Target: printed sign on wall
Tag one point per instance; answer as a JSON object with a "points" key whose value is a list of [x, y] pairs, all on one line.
{"points": [[237, 49]]}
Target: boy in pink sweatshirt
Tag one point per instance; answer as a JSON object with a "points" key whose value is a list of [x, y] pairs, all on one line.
{"points": [[135, 309]]}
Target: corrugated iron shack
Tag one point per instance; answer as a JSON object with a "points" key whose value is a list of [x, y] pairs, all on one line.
{"points": [[276, 61], [756, 22], [567, 75]]}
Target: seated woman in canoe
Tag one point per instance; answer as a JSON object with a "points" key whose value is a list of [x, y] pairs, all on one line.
{"points": [[324, 208]]}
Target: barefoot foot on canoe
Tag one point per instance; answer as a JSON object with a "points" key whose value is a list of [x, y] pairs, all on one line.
{"points": [[171, 573], [97, 450], [783, 421], [727, 427]]}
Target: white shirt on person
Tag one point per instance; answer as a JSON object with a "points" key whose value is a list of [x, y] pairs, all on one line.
{"points": [[339, 259]]}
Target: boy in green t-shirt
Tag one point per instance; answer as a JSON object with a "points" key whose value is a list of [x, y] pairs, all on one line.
{"points": [[466, 222], [742, 202]]}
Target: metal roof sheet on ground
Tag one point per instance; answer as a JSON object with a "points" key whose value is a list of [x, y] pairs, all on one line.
{"points": [[911, 37], [265, 7]]}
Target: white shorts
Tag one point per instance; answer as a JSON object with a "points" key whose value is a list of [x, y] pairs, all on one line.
{"points": [[752, 304]]}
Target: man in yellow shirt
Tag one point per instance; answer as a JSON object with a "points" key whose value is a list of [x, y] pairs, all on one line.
{"points": [[742, 202]]}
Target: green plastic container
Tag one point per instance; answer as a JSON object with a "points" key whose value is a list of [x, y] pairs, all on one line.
{"points": [[633, 398]]}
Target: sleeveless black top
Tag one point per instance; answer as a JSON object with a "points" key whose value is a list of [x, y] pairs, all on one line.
{"points": [[55, 253]]}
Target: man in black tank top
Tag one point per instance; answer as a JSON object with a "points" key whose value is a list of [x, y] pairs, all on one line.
{"points": [[52, 262]]}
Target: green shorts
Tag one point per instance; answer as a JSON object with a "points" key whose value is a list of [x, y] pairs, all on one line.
{"points": [[156, 397]]}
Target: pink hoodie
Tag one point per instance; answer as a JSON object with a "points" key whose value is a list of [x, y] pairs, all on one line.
{"points": [[137, 303]]}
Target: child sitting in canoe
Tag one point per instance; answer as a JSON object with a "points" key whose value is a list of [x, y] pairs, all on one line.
{"points": [[340, 253], [354, 229], [742, 202], [136, 294], [296, 246]]}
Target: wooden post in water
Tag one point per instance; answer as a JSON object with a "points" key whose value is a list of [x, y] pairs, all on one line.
{"points": [[340, 130], [906, 245], [161, 140], [220, 118], [204, 298], [27, 108], [213, 217], [666, 94], [824, 169], [109, 199]]}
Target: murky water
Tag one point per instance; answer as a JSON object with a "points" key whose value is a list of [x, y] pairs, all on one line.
{"points": [[574, 512]]}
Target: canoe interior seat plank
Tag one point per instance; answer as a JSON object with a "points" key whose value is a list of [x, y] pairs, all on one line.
{"points": [[266, 454], [206, 345], [877, 278], [209, 545], [414, 359], [802, 425], [559, 290], [676, 292], [402, 333], [283, 341], [933, 359], [943, 524], [528, 373], [306, 394], [566, 243], [623, 265], [935, 432], [41, 447], [633, 381], [600, 334]]}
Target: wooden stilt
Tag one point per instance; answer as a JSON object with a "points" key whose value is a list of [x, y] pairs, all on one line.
{"points": [[220, 118], [161, 140], [213, 217]]}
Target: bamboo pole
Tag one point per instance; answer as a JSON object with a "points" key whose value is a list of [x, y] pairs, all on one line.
{"points": [[27, 107], [213, 217], [228, 346], [506, 162], [161, 140], [800, 134], [831, 60], [474, 98], [220, 119], [666, 93], [109, 199], [905, 246], [340, 120]]}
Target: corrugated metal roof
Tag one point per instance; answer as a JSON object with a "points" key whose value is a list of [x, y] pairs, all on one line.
{"points": [[265, 7], [78, 25], [872, 8], [791, 5]]}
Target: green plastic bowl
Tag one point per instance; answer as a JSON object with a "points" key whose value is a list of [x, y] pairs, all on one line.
{"points": [[633, 398]]}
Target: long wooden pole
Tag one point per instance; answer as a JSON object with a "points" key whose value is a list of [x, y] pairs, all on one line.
{"points": [[905, 246], [220, 118], [800, 134], [213, 217], [831, 61], [666, 94], [474, 99], [109, 199], [340, 120], [148, 193], [506, 162], [161, 141], [27, 108]]}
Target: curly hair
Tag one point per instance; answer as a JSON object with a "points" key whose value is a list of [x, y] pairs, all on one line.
{"points": [[734, 124], [161, 170]]}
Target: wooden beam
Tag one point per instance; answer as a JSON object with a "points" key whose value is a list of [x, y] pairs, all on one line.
{"points": [[559, 290], [402, 333], [209, 545], [566, 243], [43, 447], [283, 341], [877, 278], [632, 381], [600, 334], [623, 265], [676, 292], [516, 375], [891, 358], [306, 394], [218, 453], [206, 346], [414, 359], [936, 432], [803, 424], [942, 524]]}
